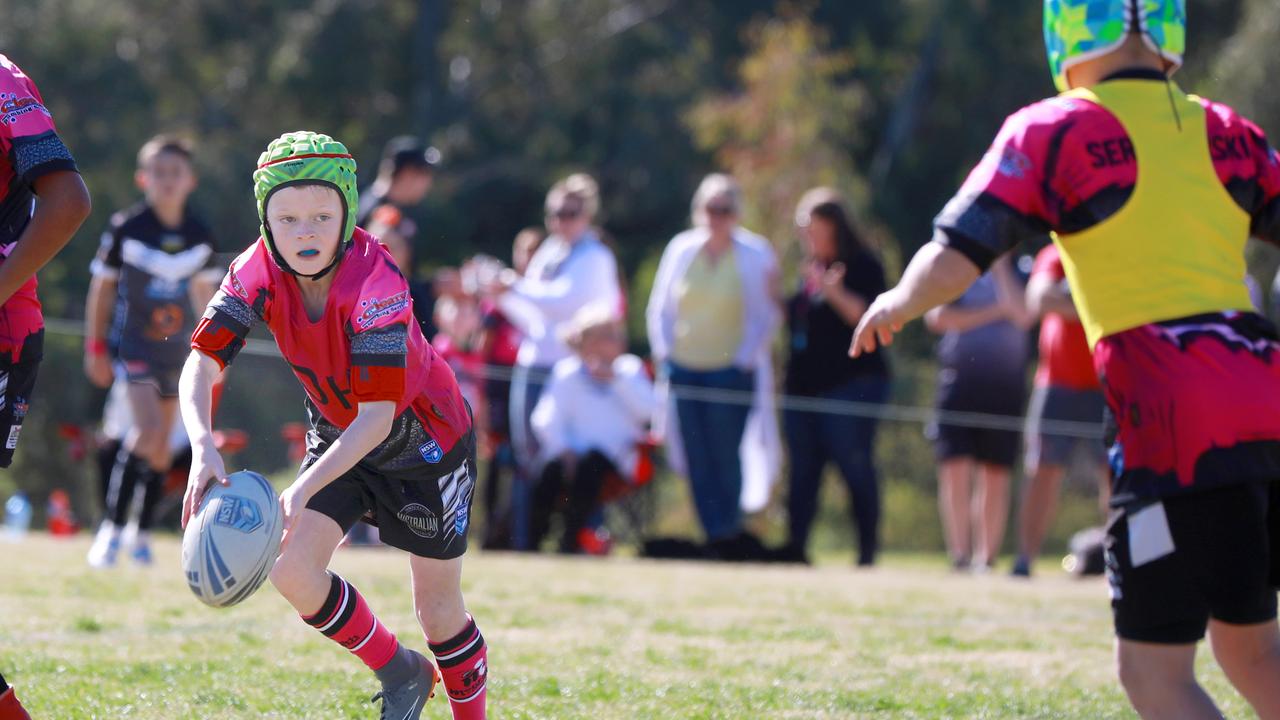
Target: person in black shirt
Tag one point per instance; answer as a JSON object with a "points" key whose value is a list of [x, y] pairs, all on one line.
{"points": [[156, 262], [840, 277], [405, 177]]}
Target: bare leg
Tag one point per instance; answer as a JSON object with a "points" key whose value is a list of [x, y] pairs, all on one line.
{"points": [[1037, 507], [1161, 683], [953, 505], [1250, 656], [992, 503], [301, 572]]}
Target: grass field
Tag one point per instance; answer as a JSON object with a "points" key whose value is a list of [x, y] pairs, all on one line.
{"points": [[571, 638]]}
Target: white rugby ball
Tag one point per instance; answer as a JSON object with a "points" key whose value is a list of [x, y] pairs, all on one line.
{"points": [[232, 542]]}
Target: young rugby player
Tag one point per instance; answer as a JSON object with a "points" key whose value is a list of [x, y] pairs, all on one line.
{"points": [[43, 201], [391, 440], [1150, 194], [155, 262]]}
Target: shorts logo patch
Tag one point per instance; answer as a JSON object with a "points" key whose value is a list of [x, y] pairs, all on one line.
{"points": [[12, 442], [238, 513], [460, 520], [20, 408], [420, 520], [431, 452]]}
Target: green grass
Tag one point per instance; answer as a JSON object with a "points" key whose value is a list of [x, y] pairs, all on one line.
{"points": [[616, 638]]}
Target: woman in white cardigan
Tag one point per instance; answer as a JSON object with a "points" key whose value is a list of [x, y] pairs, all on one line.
{"points": [[571, 269], [711, 316]]}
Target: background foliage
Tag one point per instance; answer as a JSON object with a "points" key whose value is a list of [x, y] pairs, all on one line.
{"points": [[890, 101]]}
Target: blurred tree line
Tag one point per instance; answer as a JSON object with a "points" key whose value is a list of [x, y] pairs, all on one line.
{"points": [[891, 102]]}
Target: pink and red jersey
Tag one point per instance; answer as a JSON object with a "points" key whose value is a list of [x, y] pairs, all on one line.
{"points": [[366, 347], [29, 148], [1065, 360], [1064, 165]]}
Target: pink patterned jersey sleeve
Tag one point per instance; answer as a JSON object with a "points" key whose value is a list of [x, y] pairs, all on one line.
{"points": [[242, 301], [1248, 167], [28, 138], [1006, 198], [379, 326]]}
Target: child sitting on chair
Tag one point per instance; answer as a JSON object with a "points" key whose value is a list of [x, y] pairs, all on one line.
{"points": [[589, 422]]}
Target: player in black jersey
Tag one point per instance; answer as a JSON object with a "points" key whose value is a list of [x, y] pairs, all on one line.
{"points": [[156, 260]]}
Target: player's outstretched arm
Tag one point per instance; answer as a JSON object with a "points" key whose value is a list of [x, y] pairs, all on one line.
{"points": [[371, 426], [62, 207], [936, 275], [195, 399]]}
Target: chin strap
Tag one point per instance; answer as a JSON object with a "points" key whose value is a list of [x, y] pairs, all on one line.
{"points": [[1140, 27]]}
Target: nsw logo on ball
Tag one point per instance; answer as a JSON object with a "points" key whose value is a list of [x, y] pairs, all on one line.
{"points": [[238, 513]]}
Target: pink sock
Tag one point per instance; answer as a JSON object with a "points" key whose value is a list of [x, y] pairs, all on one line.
{"points": [[346, 619], [464, 666]]}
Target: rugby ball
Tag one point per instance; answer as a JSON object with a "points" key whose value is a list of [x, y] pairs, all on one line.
{"points": [[232, 542]]}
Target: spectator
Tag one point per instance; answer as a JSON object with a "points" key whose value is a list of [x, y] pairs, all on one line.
{"points": [[155, 264], [571, 269], [983, 358], [405, 177], [589, 422], [499, 346], [1066, 389], [840, 276], [711, 315]]}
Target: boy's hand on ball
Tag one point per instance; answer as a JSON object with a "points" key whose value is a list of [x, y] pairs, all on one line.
{"points": [[206, 466]]}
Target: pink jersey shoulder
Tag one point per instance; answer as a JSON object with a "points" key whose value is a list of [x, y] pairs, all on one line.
{"points": [[22, 111], [378, 290], [1240, 150], [251, 277]]}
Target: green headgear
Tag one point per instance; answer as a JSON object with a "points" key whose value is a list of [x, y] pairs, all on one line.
{"points": [[306, 157], [1078, 30]]}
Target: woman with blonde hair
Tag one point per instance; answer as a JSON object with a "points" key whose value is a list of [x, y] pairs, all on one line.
{"points": [[571, 269], [711, 316]]}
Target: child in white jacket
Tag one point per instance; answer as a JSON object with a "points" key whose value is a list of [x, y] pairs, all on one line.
{"points": [[589, 421]]}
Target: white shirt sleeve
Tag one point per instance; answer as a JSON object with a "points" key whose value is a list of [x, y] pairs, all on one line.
{"points": [[632, 386], [589, 278], [548, 420]]}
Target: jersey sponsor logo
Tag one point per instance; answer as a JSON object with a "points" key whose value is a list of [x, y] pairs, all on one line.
{"points": [[1014, 163], [1229, 148], [431, 452], [238, 513], [376, 308], [13, 107], [236, 285], [420, 520], [460, 519], [1110, 153]]}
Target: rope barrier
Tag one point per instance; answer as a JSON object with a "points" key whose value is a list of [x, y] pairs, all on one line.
{"points": [[893, 413]]}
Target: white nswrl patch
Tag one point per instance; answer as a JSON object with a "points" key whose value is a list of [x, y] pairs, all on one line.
{"points": [[1149, 537], [12, 442]]}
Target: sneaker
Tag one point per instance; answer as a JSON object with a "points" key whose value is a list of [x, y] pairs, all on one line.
{"points": [[405, 701], [141, 552], [1021, 567], [105, 546], [11, 708]]}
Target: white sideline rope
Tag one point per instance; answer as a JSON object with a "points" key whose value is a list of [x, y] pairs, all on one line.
{"points": [[853, 408]]}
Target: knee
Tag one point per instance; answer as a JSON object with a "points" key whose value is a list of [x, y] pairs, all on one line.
{"points": [[291, 572]]}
